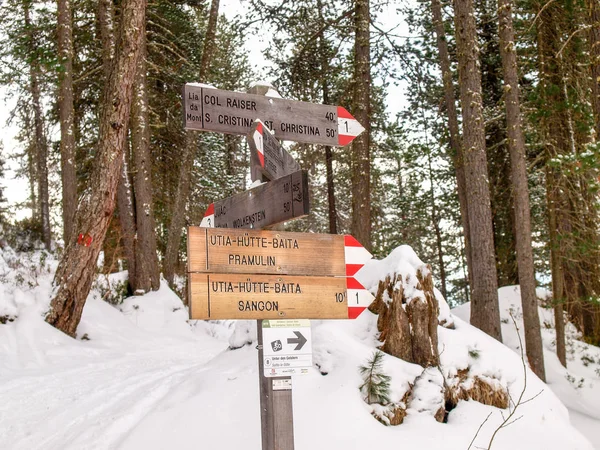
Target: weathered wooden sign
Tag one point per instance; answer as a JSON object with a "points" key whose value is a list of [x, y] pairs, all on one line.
{"points": [[229, 112], [311, 256], [267, 155], [242, 296], [265, 252], [268, 204]]}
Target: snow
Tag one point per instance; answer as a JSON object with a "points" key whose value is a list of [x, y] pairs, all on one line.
{"points": [[140, 375]]}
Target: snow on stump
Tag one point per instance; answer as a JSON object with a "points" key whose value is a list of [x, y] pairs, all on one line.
{"points": [[408, 317]]}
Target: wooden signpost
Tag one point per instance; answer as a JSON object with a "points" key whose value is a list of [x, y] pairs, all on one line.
{"points": [[244, 296], [229, 112], [268, 204], [267, 156], [236, 271]]}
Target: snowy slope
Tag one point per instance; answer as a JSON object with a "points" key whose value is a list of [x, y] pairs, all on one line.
{"points": [[146, 378]]}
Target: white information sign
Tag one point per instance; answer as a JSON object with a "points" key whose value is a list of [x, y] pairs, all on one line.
{"points": [[287, 347]]}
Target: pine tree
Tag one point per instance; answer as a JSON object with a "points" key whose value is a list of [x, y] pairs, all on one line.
{"points": [[376, 384]]}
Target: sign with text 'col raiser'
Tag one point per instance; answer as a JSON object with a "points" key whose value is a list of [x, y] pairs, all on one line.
{"points": [[230, 112], [251, 274]]}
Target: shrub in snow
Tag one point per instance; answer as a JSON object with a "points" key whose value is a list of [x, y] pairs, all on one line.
{"points": [[376, 392]]}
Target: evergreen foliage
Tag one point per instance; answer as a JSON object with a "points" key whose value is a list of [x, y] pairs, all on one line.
{"points": [[376, 384]]}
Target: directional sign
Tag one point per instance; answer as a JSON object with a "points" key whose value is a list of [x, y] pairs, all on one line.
{"points": [[220, 250], [234, 113], [287, 347], [267, 154], [216, 296], [223, 250], [268, 204], [242, 296]]}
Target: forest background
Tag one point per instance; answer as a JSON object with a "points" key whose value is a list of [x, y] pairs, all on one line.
{"points": [[515, 194]]}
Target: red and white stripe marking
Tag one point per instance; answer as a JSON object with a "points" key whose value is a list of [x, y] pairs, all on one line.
{"points": [[356, 256], [208, 221], [348, 126], [257, 136]]}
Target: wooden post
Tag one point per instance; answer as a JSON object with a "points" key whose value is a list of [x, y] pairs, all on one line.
{"points": [[276, 412]]}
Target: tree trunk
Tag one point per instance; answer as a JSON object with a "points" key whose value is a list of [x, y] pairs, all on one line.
{"points": [[77, 267], [332, 212], [485, 312], [408, 323], [147, 275], [41, 144], [361, 159], [455, 140], [67, 116], [127, 221], [183, 186], [516, 145], [594, 39]]}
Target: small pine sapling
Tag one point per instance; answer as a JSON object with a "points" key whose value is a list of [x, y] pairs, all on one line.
{"points": [[376, 385]]}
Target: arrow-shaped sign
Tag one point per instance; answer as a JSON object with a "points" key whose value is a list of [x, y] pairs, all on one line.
{"points": [[268, 157], [235, 112], [268, 204], [300, 340]]}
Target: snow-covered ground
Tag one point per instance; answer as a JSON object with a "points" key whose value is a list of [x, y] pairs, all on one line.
{"points": [[141, 376]]}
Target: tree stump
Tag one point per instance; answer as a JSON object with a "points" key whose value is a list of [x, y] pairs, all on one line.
{"points": [[408, 317]]}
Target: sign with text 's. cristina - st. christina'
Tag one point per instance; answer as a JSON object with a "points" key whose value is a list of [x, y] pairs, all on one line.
{"points": [[252, 274], [230, 112]]}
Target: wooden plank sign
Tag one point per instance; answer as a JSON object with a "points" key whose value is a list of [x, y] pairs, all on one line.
{"points": [[268, 204], [267, 155], [309, 257], [242, 296], [225, 250], [229, 112]]}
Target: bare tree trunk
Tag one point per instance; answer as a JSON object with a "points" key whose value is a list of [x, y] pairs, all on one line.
{"points": [[147, 275], [332, 212], [555, 142], [77, 268], [41, 144], [455, 140], [485, 312], [361, 159], [594, 39], [127, 220], [555, 267], [183, 187], [67, 116], [516, 145]]}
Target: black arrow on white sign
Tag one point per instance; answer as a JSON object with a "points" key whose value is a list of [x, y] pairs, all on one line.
{"points": [[300, 340]]}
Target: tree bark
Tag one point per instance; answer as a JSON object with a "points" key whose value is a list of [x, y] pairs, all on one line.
{"points": [[516, 145], [147, 275], [594, 41], [127, 221], [41, 143], [77, 268], [67, 116], [455, 139], [332, 212], [485, 312], [183, 187], [361, 159]]}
